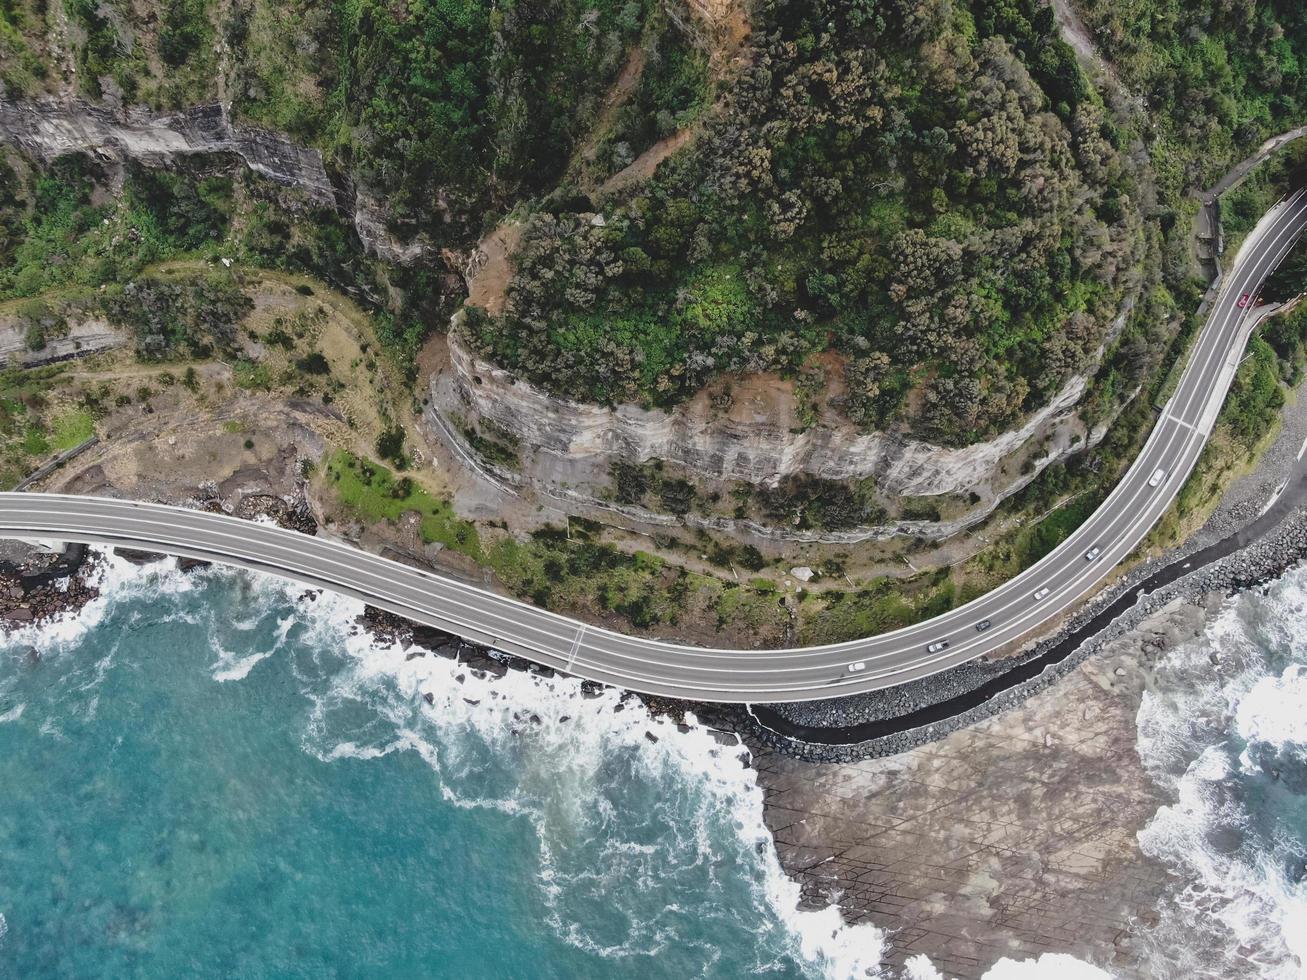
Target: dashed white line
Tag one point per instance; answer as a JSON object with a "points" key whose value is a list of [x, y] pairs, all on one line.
{"points": [[1187, 425]]}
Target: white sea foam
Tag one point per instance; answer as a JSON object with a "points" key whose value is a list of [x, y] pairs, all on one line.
{"points": [[919, 967], [232, 667], [1274, 711], [565, 753], [563, 749], [1063, 966], [13, 714], [1236, 692], [562, 746], [238, 668], [1060, 965], [117, 580]]}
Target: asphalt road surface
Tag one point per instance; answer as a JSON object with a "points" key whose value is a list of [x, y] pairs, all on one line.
{"points": [[1042, 593]]}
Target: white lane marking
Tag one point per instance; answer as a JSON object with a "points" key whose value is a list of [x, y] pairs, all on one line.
{"points": [[523, 625], [1302, 449], [1229, 289], [1274, 497], [1186, 424], [576, 645], [1020, 584], [607, 672], [542, 614], [1142, 522], [526, 612]]}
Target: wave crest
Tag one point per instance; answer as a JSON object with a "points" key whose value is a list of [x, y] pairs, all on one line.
{"points": [[1224, 730]]}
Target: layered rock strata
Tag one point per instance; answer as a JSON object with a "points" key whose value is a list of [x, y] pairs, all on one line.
{"points": [[565, 446], [47, 129]]}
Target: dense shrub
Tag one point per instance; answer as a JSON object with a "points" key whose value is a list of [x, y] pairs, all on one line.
{"points": [[1218, 77], [935, 196], [194, 314]]}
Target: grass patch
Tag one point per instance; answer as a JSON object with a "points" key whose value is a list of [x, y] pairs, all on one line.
{"points": [[375, 494], [755, 608], [851, 615], [71, 429], [579, 573]]}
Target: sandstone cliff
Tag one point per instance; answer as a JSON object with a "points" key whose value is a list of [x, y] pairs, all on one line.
{"points": [[757, 438], [48, 129]]}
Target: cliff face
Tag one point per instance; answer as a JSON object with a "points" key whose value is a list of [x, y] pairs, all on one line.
{"points": [[755, 435], [757, 438], [48, 129], [83, 338]]}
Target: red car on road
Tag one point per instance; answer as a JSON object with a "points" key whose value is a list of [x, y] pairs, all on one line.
{"points": [[1244, 300]]}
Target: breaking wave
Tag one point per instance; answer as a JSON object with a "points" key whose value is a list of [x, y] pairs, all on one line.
{"points": [[620, 803], [1224, 732], [582, 769]]}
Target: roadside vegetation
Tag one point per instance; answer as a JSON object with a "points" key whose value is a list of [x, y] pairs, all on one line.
{"points": [[38, 420], [1218, 78], [1249, 421], [894, 185], [932, 198], [1243, 206], [375, 494], [569, 569]]}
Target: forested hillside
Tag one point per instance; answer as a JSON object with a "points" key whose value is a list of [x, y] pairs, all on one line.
{"points": [[443, 108], [920, 210], [932, 192], [1217, 77]]}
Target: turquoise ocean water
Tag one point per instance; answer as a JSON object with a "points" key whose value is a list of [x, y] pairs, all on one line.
{"points": [[208, 774], [216, 774]]}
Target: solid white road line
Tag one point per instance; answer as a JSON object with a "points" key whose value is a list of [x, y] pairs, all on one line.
{"points": [[1116, 526]]}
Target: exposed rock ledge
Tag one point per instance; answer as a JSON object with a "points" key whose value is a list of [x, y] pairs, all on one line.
{"points": [[49, 128], [757, 439], [90, 336]]}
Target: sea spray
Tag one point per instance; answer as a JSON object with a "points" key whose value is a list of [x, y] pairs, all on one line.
{"points": [[621, 804], [1222, 730], [646, 852], [564, 750], [1060, 965]]}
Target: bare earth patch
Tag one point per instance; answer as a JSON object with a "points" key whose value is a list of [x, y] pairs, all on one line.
{"points": [[643, 167], [492, 268]]}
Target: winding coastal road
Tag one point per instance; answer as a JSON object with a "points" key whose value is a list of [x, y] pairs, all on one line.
{"points": [[1037, 596]]}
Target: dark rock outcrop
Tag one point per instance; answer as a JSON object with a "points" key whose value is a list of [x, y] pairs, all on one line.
{"points": [[46, 129]]}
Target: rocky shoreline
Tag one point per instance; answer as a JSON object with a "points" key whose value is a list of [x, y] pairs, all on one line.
{"points": [[1011, 837], [1257, 532], [36, 585], [1081, 637], [1007, 831]]}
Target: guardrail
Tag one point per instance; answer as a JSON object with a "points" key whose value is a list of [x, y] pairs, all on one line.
{"points": [[46, 469]]}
